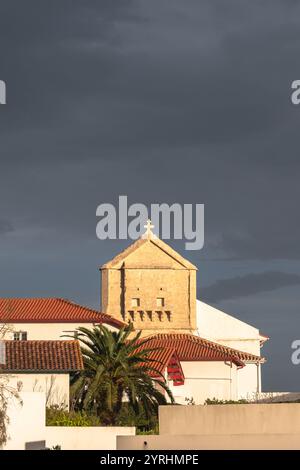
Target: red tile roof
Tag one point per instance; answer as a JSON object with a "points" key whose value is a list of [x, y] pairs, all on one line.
{"points": [[50, 310], [42, 356], [194, 348], [165, 360]]}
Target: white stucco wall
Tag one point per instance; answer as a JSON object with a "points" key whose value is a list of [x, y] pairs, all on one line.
{"points": [[204, 380], [86, 438], [209, 442], [279, 418], [218, 326], [27, 424], [222, 328], [54, 387], [49, 331], [26, 421], [249, 381], [255, 426]]}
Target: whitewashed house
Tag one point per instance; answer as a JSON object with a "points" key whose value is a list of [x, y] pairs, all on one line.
{"points": [[48, 318], [41, 366]]}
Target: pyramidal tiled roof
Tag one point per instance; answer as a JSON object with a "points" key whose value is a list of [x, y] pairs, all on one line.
{"points": [[142, 241]]}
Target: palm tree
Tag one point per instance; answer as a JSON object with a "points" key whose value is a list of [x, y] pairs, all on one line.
{"points": [[117, 369]]}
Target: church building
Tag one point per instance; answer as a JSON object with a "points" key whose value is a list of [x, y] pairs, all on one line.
{"points": [[203, 352], [154, 287]]}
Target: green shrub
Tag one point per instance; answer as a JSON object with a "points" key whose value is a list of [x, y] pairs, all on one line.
{"points": [[215, 401], [59, 417], [56, 416], [143, 424]]}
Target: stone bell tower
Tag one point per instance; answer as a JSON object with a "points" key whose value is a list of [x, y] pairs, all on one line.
{"points": [[152, 286]]}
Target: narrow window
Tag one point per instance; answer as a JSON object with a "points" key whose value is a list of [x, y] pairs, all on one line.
{"points": [[131, 313], [160, 302], [135, 302]]}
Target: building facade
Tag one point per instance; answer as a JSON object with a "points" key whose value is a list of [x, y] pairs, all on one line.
{"points": [[154, 287], [41, 366]]}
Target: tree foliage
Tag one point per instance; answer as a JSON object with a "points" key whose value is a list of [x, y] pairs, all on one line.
{"points": [[117, 370]]}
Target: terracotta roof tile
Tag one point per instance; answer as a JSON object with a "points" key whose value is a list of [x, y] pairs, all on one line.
{"points": [[193, 348], [165, 360], [50, 310], [42, 356]]}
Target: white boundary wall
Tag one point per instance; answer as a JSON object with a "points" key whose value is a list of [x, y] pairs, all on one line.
{"points": [[27, 424], [86, 438], [206, 442], [252, 426], [26, 421]]}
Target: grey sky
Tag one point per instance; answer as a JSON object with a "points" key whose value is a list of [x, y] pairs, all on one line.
{"points": [[164, 101]]}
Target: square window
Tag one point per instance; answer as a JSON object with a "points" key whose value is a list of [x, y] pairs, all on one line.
{"points": [[20, 336], [160, 302], [135, 302]]}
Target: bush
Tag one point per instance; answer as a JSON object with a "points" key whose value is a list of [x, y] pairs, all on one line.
{"points": [[58, 417], [215, 401], [143, 424]]}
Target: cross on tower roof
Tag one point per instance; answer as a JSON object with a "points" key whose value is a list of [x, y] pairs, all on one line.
{"points": [[148, 233]]}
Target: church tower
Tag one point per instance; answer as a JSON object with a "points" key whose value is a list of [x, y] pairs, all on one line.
{"points": [[152, 286]]}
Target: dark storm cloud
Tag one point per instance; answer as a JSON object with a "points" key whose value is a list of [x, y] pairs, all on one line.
{"points": [[153, 74], [5, 226], [164, 101], [201, 89], [248, 285]]}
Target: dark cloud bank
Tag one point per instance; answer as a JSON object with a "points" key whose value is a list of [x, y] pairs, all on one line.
{"points": [[247, 285], [164, 101]]}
